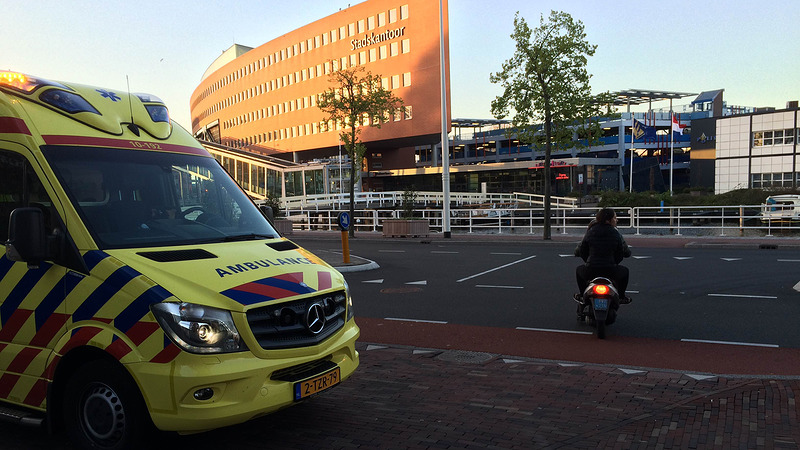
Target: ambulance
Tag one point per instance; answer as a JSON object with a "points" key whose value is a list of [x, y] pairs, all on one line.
{"points": [[139, 285]]}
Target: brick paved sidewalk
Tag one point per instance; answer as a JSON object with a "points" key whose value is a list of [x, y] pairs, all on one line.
{"points": [[411, 398], [407, 398]]}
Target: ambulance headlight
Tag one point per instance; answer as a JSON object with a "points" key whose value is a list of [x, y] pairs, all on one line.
{"points": [[199, 329], [350, 311]]}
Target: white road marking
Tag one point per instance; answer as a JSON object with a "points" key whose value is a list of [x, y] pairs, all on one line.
{"points": [[379, 281], [376, 347], [628, 291], [682, 258], [789, 260], [631, 371], [501, 253], [641, 257], [496, 268], [565, 256], [742, 296], [419, 283], [391, 251], [396, 319], [797, 287], [751, 344], [442, 252], [699, 377], [553, 331], [498, 287], [731, 259]]}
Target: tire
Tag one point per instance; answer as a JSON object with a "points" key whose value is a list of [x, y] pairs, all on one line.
{"points": [[103, 408], [601, 329]]}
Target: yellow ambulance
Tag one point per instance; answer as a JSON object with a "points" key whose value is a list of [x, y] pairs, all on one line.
{"points": [[139, 284]]}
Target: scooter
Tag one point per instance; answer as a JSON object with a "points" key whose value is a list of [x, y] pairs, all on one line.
{"points": [[598, 304]]}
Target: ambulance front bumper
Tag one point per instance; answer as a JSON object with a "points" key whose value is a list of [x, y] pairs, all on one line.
{"points": [[196, 393]]}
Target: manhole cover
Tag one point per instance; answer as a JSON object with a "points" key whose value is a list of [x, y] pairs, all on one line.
{"points": [[464, 356], [401, 290]]}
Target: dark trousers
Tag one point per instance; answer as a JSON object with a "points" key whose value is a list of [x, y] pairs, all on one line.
{"points": [[617, 274]]}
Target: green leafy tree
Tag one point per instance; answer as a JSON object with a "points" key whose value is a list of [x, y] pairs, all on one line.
{"points": [[356, 99], [546, 90]]}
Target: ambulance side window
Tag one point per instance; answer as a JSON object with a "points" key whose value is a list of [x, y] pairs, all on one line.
{"points": [[19, 186], [12, 171]]}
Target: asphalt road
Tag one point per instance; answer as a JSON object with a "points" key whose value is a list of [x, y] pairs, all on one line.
{"points": [[734, 295]]}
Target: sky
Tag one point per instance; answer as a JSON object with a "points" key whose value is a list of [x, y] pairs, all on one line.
{"points": [[164, 47]]}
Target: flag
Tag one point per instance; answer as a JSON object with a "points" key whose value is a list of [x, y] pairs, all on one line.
{"points": [[642, 132], [677, 127]]}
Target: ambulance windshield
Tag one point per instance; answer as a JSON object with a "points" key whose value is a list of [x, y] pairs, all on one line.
{"points": [[149, 199]]}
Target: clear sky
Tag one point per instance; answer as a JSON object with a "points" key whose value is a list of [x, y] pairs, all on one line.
{"points": [[748, 48]]}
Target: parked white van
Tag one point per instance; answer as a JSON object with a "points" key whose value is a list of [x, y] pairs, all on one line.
{"points": [[783, 208]]}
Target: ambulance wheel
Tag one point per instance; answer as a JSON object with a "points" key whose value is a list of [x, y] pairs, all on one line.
{"points": [[103, 408]]}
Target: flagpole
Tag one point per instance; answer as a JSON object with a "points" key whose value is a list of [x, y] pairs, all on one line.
{"points": [[630, 186], [671, 147]]}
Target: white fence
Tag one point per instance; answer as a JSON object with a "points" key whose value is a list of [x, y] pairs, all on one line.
{"points": [[692, 220], [395, 198]]}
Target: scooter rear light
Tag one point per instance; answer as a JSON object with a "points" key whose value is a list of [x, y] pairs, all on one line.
{"points": [[600, 289]]}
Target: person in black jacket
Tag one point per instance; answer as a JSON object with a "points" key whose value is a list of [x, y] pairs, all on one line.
{"points": [[602, 249]]}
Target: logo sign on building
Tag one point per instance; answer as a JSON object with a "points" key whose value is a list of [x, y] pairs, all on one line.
{"points": [[372, 39]]}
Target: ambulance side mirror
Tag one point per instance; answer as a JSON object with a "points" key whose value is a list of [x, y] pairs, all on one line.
{"points": [[27, 240]]}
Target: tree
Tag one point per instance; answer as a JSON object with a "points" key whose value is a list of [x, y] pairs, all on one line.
{"points": [[546, 89], [356, 99]]}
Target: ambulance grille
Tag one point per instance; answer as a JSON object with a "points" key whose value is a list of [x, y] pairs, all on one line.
{"points": [[285, 325]]}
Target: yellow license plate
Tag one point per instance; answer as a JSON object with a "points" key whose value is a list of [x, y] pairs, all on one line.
{"points": [[317, 384]]}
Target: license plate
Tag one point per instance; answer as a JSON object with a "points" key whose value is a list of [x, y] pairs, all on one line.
{"points": [[601, 304], [317, 384]]}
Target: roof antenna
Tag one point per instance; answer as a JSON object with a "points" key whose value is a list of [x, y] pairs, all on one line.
{"points": [[131, 126]]}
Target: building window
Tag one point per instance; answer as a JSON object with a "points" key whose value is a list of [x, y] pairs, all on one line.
{"points": [[394, 49], [395, 81], [404, 12], [407, 79], [361, 26], [405, 45], [371, 22], [382, 52], [407, 112], [393, 15]]}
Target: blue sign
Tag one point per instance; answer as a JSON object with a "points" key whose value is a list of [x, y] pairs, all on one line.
{"points": [[344, 221]]}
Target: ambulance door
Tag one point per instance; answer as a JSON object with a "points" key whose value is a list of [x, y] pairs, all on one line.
{"points": [[31, 298]]}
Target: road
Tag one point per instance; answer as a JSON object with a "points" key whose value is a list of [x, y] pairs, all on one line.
{"points": [[735, 295]]}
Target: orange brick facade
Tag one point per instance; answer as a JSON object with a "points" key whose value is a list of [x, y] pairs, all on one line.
{"points": [[264, 99]]}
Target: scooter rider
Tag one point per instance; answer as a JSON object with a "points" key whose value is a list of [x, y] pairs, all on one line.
{"points": [[602, 249]]}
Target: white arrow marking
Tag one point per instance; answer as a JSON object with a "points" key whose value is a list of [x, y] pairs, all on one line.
{"points": [[419, 283], [700, 377], [632, 371], [681, 258], [374, 281], [376, 347], [797, 287], [731, 259]]}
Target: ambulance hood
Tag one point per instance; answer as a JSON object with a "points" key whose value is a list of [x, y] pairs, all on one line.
{"points": [[234, 275]]}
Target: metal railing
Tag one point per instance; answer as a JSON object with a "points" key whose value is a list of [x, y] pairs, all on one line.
{"points": [[677, 220], [424, 198]]}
